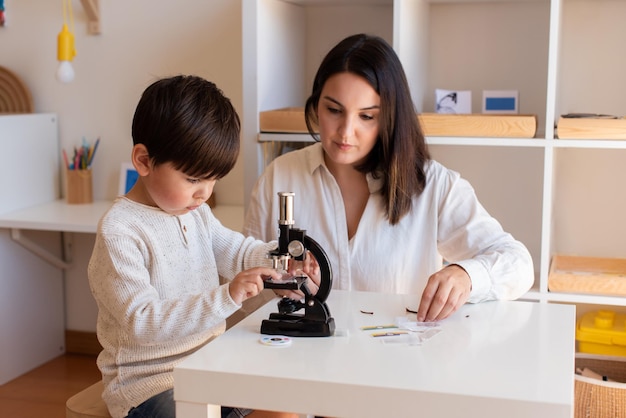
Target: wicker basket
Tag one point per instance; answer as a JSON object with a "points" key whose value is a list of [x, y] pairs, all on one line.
{"points": [[577, 274], [595, 398]]}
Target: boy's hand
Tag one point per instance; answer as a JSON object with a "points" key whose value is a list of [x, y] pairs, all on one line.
{"points": [[249, 283]]}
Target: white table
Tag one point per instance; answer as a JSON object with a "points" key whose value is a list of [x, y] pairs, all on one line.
{"points": [[494, 359]]}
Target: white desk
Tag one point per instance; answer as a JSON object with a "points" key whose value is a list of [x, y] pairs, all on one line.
{"points": [[59, 216], [32, 306], [495, 359]]}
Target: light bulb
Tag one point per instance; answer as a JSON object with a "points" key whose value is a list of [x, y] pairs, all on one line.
{"points": [[65, 72], [65, 54]]}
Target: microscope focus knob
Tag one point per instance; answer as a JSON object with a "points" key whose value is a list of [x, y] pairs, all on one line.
{"points": [[295, 248]]}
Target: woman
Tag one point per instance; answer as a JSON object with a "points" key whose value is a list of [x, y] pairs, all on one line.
{"points": [[390, 218]]}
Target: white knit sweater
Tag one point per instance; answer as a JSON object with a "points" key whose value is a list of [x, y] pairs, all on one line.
{"points": [[155, 278]]}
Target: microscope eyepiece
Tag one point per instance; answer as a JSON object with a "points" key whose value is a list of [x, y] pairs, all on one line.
{"points": [[286, 208]]}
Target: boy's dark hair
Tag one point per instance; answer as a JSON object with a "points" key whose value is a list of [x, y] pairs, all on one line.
{"points": [[400, 151], [187, 121]]}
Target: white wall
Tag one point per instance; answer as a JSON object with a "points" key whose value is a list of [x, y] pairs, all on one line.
{"points": [[141, 40]]}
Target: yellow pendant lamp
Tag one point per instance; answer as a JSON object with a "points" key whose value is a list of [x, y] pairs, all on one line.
{"points": [[65, 45]]}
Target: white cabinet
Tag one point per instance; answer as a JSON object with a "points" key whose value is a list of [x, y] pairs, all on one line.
{"points": [[32, 327], [563, 56]]}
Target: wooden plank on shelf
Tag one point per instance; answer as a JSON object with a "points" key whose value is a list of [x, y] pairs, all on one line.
{"points": [[291, 120], [286, 120], [594, 275], [479, 125], [591, 128]]}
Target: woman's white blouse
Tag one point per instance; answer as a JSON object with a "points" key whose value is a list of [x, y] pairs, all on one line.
{"points": [[446, 222]]}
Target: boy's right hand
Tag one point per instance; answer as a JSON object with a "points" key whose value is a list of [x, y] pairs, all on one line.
{"points": [[249, 283]]}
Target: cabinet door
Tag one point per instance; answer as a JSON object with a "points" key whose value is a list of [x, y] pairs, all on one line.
{"points": [[29, 160], [31, 297]]}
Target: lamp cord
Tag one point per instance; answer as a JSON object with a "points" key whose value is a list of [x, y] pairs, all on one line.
{"points": [[67, 10]]}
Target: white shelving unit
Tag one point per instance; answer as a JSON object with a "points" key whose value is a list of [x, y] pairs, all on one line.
{"points": [[557, 196]]}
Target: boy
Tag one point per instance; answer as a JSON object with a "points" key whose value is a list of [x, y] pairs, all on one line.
{"points": [[159, 250]]}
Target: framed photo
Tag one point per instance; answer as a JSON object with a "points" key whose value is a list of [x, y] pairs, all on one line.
{"points": [[453, 101], [500, 101], [128, 177]]}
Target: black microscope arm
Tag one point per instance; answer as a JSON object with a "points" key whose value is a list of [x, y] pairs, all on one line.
{"points": [[326, 276]]}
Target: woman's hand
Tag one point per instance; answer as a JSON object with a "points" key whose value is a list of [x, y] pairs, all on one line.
{"points": [[446, 291], [308, 267]]}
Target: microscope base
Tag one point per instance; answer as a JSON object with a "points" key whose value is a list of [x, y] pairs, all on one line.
{"points": [[297, 326]]}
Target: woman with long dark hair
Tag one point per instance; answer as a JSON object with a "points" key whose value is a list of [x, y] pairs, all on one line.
{"points": [[390, 218]]}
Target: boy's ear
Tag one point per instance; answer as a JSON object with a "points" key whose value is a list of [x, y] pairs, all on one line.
{"points": [[141, 159]]}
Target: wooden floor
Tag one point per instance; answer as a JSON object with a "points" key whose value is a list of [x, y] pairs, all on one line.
{"points": [[43, 391]]}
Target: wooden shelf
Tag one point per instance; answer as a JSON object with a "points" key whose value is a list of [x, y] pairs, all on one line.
{"points": [[291, 120], [478, 125], [593, 275], [591, 128]]}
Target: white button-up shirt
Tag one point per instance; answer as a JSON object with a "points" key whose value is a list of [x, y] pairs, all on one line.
{"points": [[446, 222]]}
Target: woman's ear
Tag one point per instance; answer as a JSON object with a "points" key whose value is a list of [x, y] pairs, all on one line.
{"points": [[141, 159]]}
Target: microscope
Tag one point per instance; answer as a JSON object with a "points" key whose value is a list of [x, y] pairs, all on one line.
{"points": [[293, 244]]}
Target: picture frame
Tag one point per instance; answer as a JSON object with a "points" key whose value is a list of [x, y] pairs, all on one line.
{"points": [[501, 101], [453, 101], [128, 177]]}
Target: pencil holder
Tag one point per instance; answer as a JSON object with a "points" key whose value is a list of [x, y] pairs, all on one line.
{"points": [[79, 186]]}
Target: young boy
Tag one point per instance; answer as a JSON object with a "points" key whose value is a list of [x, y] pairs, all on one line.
{"points": [[159, 251]]}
